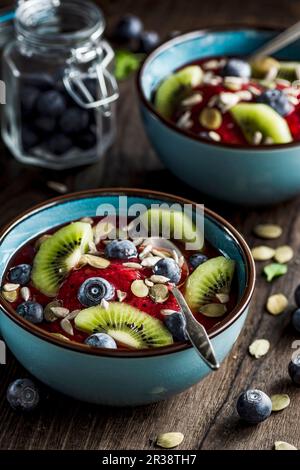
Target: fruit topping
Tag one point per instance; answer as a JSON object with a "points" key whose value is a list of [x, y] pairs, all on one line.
{"points": [[196, 259], [121, 249], [93, 290], [254, 406], [20, 274], [168, 268], [31, 311], [236, 68], [263, 66], [210, 118], [23, 395], [277, 100], [176, 324], [101, 340]]}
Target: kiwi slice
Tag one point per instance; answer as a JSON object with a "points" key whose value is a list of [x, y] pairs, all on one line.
{"points": [[176, 84], [125, 324], [257, 117], [180, 225], [58, 255], [210, 278], [288, 70]]}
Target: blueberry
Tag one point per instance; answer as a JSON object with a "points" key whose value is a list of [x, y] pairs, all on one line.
{"points": [[51, 103], [294, 369], [29, 96], [23, 395], [31, 311], [176, 324], [276, 99], [29, 138], [169, 268], [236, 68], [74, 120], [254, 406], [297, 295], [42, 81], [93, 290], [87, 140], [296, 319], [20, 274], [121, 249], [59, 144], [148, 41], [45, 125], [129, 27], [196, 259], [101, 340]]}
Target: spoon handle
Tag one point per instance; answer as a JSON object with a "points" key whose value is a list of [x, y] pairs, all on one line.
{"points": [[284, 39], [197, 333]]}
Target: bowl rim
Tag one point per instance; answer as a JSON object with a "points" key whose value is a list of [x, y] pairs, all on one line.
{"points": [[7, 309], [186, 36]]}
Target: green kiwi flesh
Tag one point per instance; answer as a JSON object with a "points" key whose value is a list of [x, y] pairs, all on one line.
{"points": [[256, 117], [210, 278], [176, 84], [126, 324], [58, 255]]}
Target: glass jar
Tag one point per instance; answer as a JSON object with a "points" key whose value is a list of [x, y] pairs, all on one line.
{"points": [[60, 92], [7, 15]]}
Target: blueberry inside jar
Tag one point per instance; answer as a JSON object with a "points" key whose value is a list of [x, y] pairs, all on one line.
{"points": [[60, 92]]}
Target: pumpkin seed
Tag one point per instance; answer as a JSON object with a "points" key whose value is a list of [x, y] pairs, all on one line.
{"points": [[10, 287], [283, 254], [223, 298], [121, 295], [276, 304], [139, 288], [268, 231], [213, 310], [159, 279], [10, 296], [262, 253], [150, 261], [25, 293], [281, 445], [49, 315], [169, 440], [60, 312], [60, 336], [41, 240], [259, 348], [274, 270], [210, 118], [67, 326], [95, 261], [159, 293], [280, 401]]}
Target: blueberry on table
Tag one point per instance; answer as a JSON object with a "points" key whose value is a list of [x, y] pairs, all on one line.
{"points": [[29, 96], [254, 406], [101, 340], [31, 311], [296, 319], [297, 295], [129, 27], [29, 138], [277, 100], [59, 144], [20, 274], [93, 290], [148, 41], [176, 324], [294, 369], [196, 259], [23, 395], [51, 103], [236, 68], [121, 249], [74, 120], [44, 124], [167, 267]]}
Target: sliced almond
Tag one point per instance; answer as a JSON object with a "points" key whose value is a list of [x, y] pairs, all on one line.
{"points": [[283, 254], [160, 253], [259, 348], [145, 251], [213, 310], [121, 295], [10, 296], [133, 265], [25, 293], [185, 122], [227, 101], [262, 253], [210, 118], [10, 287], [268, 231], [95, 261], [150, 262], [157, 279], [169, 440], [223, 298], [67, 326], [214, 136], [49, 315], [277, 304], [196, 98], [139, 288], [159, 293], [281, 445], [60, 312], [280, 402]]}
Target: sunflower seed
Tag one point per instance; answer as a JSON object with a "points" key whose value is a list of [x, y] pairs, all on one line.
{"points": [[145, 251], [41, 240], [281, 445], [60, 336], [159, 253], [169, 440], [60, 188], [151, 261], [166, 311], [280, 401], [59, 312], [181, 261], [121, 295], [214, 136], [25, 293], [139, 288], [67, 326], [175, 256], [95, 261], [10, 287], [255, 91], [102, 230], [104, 304], [268, 231], [10, 296], [184, 122], [192, 100], [72, 315], [291, 91], [283, 254], [87, 220], [259, 348], [257, 138], [223, 298], [262, 253], [213, 310], [276, 304], [159, 293], [228, 100], [244, 95], [49, 315], [159, 279], [133, 265], [283, 82], [148, 283]]}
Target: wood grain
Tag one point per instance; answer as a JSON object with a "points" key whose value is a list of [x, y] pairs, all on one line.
{"points": [[205, 414]]}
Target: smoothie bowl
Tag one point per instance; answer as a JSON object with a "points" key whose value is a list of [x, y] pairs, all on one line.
{"points": [[86, 304], [225, 123]]}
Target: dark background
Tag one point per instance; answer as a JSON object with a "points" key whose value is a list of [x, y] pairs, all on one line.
{"points": [[206, 413]]}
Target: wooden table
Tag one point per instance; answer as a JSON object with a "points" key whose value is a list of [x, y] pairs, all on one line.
{"points": [[205, 414]]}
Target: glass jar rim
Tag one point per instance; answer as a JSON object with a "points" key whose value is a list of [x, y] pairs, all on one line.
{"points": [[35, 22]]}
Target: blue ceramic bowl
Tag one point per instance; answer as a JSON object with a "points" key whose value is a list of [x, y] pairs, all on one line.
{"points": [[109, 376], [240, 174]]}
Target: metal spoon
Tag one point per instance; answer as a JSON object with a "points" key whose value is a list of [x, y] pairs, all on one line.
{"points": [[195, 331]]}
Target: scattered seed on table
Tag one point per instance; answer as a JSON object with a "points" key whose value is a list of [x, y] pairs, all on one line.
{"points": [[277, 304], [259, 348], [274, 270], [280, 401], [262, 253], [169, 440], [268, 231], [283, 254], [281, 445]]}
